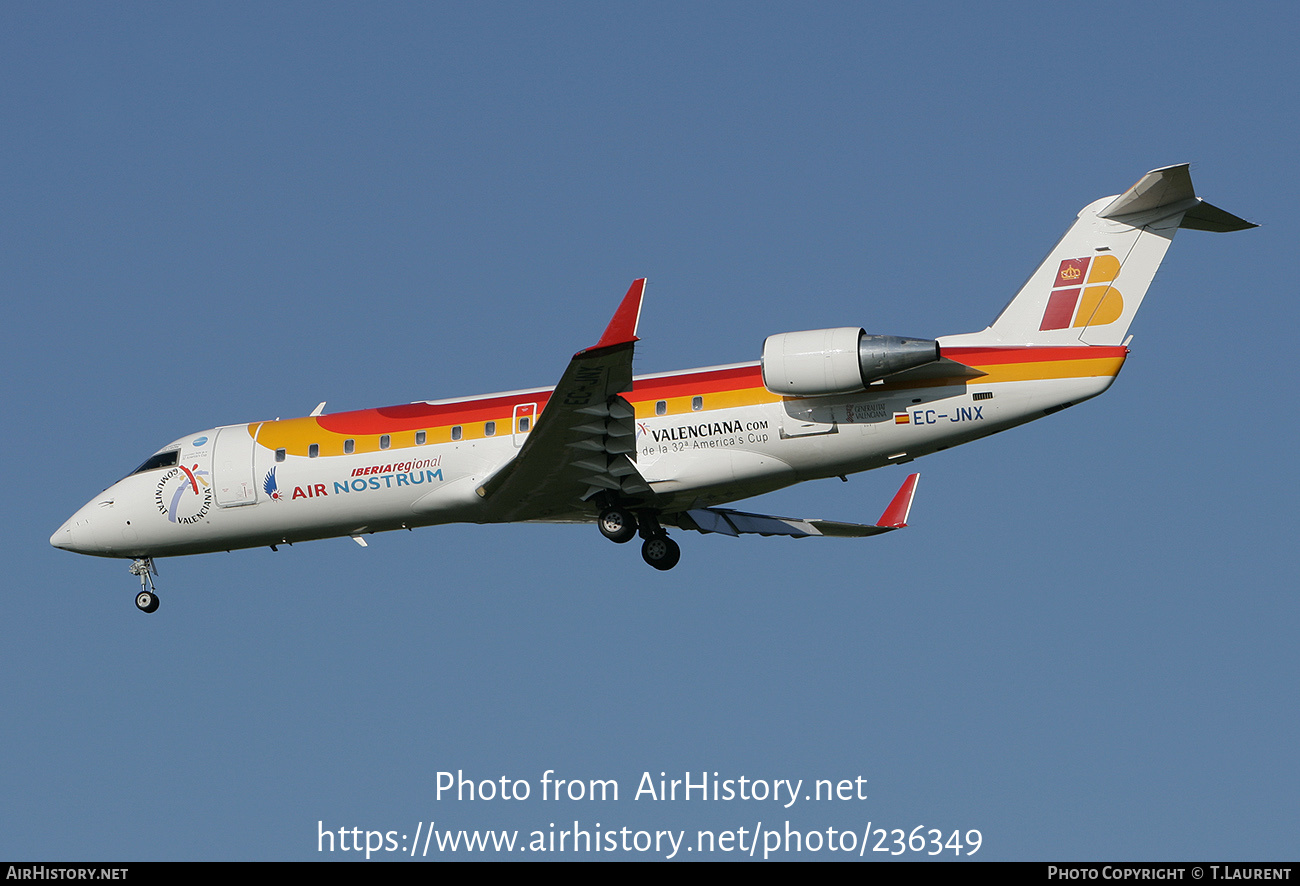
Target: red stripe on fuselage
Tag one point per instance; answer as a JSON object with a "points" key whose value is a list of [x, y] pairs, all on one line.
{"points": [[415, 416], [687, 383], [989, 356]]}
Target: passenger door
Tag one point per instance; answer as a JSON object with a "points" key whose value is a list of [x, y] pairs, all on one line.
{"points": [[232, 467]]}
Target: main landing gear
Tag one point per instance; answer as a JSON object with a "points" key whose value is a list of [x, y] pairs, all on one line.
{"points": [[147, 599], [620, 525], [660, 551]]}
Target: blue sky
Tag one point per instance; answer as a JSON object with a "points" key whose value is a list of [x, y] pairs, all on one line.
{"points": [[1084, 645]]}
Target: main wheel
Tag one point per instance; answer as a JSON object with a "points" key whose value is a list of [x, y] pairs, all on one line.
{"points": [[617, 525], [146, 601], [661, 552]]}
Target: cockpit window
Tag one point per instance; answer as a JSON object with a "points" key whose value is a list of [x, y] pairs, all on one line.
{"points": [[161, 460]]}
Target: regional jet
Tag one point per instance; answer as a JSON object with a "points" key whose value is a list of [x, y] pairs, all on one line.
{"points": [[638, 455]]}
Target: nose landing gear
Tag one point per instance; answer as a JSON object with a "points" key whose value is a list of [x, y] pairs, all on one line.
{"points": [[147, 599]]}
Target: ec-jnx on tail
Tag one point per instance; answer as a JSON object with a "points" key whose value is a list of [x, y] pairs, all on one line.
{"points": [[639, 455]]}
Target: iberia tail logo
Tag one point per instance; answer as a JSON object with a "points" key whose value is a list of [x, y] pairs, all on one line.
{"points": [[1082, 294]]}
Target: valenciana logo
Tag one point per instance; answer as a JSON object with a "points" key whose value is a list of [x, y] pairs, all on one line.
{"points": [[1074, 303], [183, 495]]}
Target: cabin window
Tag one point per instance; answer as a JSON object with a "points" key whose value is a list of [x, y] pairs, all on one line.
{"points": [[661, 408], [161, 460], [456, 432], [523, 424], [280, 454], [697, 403], [313, 450], [385, 441], [349, 446], [420, 437], [489, 429]]}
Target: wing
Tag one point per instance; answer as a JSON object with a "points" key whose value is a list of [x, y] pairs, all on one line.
{"points": [[584, 441], [728, 522]]}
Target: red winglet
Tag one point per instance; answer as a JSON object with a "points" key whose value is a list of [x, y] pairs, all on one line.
{"points": [[622, 328], [895, 516]]}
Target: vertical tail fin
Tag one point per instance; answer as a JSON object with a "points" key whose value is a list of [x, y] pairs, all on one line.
{"points": [[1092, 282]]}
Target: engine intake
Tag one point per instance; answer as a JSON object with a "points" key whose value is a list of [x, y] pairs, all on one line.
{"points": [[819, 362]]}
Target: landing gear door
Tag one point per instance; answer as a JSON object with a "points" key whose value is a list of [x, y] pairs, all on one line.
{"points": [[232, 467]]}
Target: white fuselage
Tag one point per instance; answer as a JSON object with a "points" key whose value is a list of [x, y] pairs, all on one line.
{"points": [[263, 484]]}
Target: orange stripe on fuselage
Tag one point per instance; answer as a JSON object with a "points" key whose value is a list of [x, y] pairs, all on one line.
{"points": [[719, 388], [1029, 364], [722, 388]]}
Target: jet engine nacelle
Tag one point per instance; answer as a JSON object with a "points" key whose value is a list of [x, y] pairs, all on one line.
{"points": [[818, 362]]}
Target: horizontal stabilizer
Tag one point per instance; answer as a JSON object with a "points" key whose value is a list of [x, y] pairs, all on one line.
{"points": [[1169, 190], [734, 523], [1208, 217], [1162, 188]]}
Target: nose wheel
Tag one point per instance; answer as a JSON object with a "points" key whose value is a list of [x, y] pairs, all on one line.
{"points": [[147, 599]]}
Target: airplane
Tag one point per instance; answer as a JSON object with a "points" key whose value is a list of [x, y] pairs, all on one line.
{"points": [[636, 455]]}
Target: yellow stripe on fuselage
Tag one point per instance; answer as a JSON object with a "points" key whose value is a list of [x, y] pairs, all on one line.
{"points": [[296, 435]]}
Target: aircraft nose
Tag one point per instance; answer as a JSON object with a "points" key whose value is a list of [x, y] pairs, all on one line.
{"points": [[79, 534], [62, 537]]}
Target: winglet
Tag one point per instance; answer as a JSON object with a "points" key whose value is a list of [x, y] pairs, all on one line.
{"points": [[622, 328], [895, 516]]}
